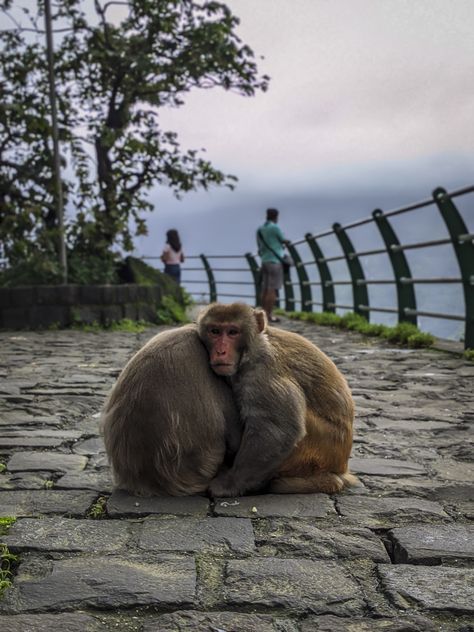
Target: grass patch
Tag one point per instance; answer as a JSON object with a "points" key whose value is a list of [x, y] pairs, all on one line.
{"points": [[126, 324], [7, 559], [404, 333]]}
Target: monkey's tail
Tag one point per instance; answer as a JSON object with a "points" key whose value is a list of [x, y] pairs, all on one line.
{"points": [[324, 482]]}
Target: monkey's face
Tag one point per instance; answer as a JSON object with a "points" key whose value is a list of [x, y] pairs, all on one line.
{"points": [[224, 342]]}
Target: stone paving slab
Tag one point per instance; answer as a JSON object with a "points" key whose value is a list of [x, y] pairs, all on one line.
{"points": [[386, 467], [98, 481], [47, 622], [410, 623], [66, 534], [219, 622], [433, 544], [270, 505], [393, 554], [41, 501], [198, 534], [432, 588], [296, 584], [388, 511], [105, 583], [303, 538], [123, 504], [46, 461]]}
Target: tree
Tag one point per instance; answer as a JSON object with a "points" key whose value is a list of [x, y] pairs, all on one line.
{"points": [[27, 212], [113, 76]]}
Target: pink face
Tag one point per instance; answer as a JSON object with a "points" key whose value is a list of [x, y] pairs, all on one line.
{"points": [[223, 343]]}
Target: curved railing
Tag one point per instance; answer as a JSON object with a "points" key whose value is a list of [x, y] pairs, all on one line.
{"points": [[315, 273]]}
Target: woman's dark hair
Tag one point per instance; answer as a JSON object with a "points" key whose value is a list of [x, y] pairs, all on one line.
{"points": [[172, 238]]}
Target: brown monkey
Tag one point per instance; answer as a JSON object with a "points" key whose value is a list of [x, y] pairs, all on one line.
{"points": [[169, 419], [294, 405]]}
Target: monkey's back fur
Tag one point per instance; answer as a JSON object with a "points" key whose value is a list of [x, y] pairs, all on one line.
{"points": [[164, 423]]}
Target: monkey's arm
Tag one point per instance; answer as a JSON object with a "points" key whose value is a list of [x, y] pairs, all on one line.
{"points": [[272, 428]]}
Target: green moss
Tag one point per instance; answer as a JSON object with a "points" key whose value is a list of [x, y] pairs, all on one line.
{"points": [[469, 354], [403, 333], [3, 467]]}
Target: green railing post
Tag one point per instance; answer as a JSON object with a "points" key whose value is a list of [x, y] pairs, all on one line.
{"points": [[464, 249], [325, 275], [210, 278], [305, 288], [255, 270], [401, 270], [359, 289]]}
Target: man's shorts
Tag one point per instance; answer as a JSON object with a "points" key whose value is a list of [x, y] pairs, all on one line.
{"points": [[272, 276]]}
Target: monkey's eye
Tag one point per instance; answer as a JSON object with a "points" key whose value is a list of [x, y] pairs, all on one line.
{"points": [[215, 331], [233, 331]]}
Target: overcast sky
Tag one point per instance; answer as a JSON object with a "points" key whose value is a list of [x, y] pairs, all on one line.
{"points": [[370, 104]]}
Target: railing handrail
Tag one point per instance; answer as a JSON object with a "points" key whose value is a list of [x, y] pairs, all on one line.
{"points": [[460, 238]]}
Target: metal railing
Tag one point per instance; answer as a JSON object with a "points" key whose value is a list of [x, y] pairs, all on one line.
{"points": [[358, 280]]}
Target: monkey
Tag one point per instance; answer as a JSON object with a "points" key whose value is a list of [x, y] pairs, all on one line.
{"points": [[229, 406], [294, 405], [169, 422]]}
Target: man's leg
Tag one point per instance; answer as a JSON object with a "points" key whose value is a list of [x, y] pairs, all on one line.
{"points": [[268, 302]]}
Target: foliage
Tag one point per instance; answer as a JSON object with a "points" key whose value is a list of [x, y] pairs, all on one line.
{"points": [[126, 324], [98, 509], [5, 524], [3, 467], [469, 354], [403, 333], [7, 559], [171, 312], [113, 74], [409, 334]]}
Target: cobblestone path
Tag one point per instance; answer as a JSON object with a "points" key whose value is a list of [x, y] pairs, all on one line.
{"points": [[395, 554]]}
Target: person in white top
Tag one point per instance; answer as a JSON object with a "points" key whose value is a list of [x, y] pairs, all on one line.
{"points": [[172, 255]]}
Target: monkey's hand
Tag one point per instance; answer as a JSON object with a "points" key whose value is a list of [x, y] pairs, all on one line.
{"points": [[222, 486]]}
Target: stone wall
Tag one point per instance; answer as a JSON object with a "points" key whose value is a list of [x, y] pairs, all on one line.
{"points": [[36, 307]]}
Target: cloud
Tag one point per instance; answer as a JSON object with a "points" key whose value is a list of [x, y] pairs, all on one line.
{"points": [[351, 81]]}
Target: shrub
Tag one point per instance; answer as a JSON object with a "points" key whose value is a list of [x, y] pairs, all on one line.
{"points": [[171, 312]]}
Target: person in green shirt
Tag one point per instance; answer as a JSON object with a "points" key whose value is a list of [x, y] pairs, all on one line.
{"points": [[271, 243]]}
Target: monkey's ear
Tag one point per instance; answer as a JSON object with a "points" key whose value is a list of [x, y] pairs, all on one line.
{"points": [[261, 319]]}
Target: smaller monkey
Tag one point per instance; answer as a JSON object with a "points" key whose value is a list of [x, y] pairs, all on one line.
{"points": [[295, 407]]}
